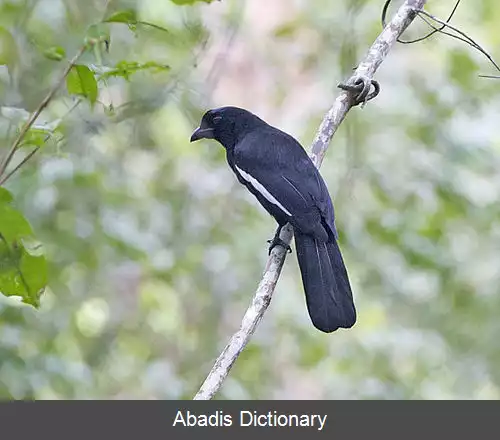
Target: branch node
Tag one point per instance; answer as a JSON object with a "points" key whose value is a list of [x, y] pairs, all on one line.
{"points": [[359, 87]]}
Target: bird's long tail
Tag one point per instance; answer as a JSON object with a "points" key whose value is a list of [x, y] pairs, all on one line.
{"points": [[326, 283]]}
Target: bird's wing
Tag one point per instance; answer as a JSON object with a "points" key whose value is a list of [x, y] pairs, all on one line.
{"points": [[277, 167]]}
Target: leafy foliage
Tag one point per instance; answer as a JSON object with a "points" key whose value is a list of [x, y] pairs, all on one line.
{"points": [[128, 16], [125, 69], [56, 53], [23, 272]]}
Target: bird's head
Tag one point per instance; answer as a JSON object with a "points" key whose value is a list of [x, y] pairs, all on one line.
{"points": [[227, 125]]}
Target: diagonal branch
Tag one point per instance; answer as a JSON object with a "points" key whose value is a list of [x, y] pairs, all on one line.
{"points": [[332, 120], [26, 158], [17, 142]]}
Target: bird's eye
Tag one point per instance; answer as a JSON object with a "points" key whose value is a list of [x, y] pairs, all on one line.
{"points": [[217, 119]]}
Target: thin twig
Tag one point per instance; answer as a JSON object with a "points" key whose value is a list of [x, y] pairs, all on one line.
{"points": [[466, 38], [328, 127], [19, 165], [32, 153], [31, 120], [426, 36], [444, 24]]}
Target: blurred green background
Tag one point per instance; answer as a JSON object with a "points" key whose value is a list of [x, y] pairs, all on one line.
{"points": [[155, 250]]}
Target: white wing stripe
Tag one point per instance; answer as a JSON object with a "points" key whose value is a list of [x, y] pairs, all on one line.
{"points": [[267, 195]]}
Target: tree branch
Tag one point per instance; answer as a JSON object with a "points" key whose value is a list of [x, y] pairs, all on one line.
{"points": [[33, 152], [332, 120], [22, 133]]}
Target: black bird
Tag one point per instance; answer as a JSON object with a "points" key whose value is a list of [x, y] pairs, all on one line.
{"points": [[277, 170]]}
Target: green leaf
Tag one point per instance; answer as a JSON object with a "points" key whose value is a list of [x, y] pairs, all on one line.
{"points": [[128, 16], [8, 48], [81, 81], [55, 53], [38, 134], [22, 274], [23, 270], [13, 226], [126, 68], [5, 196], [36, 137]]}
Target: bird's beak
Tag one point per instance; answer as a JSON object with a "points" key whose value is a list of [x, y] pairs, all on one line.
{"points": [[202, 133]]}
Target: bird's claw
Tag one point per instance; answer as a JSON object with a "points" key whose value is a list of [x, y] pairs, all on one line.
{"points": [[276, 241], [360, 88]]}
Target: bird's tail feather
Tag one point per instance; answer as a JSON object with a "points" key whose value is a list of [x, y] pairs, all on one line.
{"points": [[326, 283]]}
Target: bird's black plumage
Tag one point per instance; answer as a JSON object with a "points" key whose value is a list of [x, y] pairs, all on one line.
{"points": [[279, 173]]}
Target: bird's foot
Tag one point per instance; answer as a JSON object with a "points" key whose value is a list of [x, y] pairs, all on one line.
{"points": [[277, 241], [360, 88]]}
